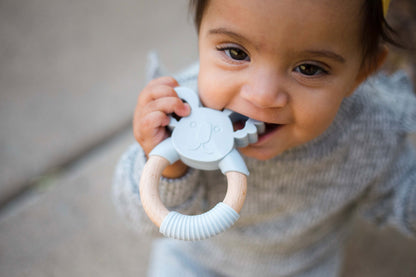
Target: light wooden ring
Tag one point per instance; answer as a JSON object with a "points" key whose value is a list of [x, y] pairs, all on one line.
{"points": [[149, 189]]}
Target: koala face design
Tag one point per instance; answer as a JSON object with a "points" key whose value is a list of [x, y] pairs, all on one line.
{"points": [[205, 134]]}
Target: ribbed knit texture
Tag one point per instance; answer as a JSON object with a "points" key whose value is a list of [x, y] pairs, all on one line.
{"points": [[300, 204]]}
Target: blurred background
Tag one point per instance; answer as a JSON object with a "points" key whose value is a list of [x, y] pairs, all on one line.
{"points": [[402, 17], [70, 72]]}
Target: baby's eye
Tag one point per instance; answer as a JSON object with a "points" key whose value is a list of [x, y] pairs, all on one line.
{"points": [[234, 53], [310, 69]]}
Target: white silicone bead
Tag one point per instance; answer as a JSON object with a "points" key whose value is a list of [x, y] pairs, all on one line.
{"points": [[198, 227]]}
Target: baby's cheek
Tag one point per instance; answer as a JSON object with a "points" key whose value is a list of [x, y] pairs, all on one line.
{"points": [[212, 96], [216, 87], [314, 125], [208, 99], [207, 90]]}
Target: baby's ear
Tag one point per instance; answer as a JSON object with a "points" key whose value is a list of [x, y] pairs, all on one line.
{"points": [[372, 65]]}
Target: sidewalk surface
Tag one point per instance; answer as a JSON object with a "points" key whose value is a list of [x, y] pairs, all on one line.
{"points": [[70, 72]]}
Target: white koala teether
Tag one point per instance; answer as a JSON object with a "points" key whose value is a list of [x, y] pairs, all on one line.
{"points": [[204, 140]]}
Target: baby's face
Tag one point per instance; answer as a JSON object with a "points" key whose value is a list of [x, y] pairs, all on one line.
{"points": [[289, 63]]}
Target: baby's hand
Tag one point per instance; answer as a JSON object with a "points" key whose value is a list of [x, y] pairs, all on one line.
{"points": [[156, 101]]}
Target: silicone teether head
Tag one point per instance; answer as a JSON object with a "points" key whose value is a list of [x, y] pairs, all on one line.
{"points": [[205, 135]]}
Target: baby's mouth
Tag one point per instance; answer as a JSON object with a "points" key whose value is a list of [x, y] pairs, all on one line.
{"points": [[270, 127], [239, 122], [238, 125]]}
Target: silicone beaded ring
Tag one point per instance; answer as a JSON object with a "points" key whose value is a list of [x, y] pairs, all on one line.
{"points": [[204, 140]]}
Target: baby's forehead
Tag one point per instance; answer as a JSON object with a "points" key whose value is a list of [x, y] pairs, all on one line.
{"points": [[291, 22], [304, 12]]}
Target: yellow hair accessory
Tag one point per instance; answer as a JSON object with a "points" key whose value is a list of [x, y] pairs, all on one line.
{"points": [[386, 4]]}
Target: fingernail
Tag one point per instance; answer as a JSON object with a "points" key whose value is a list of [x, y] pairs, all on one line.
{"points": [[187, 108]]}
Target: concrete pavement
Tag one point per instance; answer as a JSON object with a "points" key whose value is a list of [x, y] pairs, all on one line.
{"points": [[70, 72], [67, 225]]}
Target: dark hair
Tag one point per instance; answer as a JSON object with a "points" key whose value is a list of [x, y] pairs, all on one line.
{"points": [[375, 30], [197, 7]]}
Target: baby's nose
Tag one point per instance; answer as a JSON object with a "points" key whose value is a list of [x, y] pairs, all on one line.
{"points": [[265, 90]]}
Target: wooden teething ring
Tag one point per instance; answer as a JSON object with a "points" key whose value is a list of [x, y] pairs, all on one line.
{"points": [[149, 189], [205, 140]]}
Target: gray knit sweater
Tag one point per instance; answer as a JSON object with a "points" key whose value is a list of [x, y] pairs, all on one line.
{"points": [[300, 204]]}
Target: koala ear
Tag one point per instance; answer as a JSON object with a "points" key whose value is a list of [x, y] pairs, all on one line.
{"points": [[189, 96]]}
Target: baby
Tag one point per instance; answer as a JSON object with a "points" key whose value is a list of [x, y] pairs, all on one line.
{"points": [[334, 145]]}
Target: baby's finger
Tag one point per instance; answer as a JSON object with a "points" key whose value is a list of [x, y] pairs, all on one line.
{"points": [[149, 130], [155, 114], [163, 86], [165, 80], [169, 105], [152, 93], [150, 123]]}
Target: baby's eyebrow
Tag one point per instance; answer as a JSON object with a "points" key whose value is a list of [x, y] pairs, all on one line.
{"points": [[224, 31], [230, 33], [326, 54]]}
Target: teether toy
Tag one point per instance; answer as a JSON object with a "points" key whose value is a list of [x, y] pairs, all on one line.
{"points": [[204, 140]]}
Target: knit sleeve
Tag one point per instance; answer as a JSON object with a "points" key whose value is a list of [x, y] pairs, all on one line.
{"points": [[404, 204], [182, 194], [391, 198], [396, 95]]}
